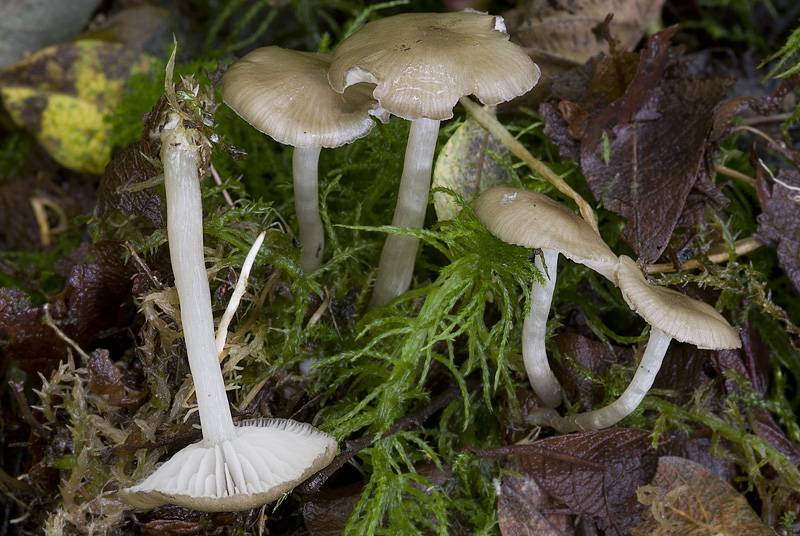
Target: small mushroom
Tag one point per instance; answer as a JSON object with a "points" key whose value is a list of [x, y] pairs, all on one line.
{"points": [[533, 220], [421, 64], [285, 94], [232, 467], [265, 459], [671, 315]]}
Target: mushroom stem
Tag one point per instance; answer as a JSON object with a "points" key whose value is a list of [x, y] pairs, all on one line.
{"points": [[305, 161], [185, 231], [534, 331], [622, 407], [396, 266]]}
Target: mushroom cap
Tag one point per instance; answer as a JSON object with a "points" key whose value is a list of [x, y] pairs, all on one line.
{"points": [[286, 95], [679, 316], [267, 458], [422, 63], [533, 220]]}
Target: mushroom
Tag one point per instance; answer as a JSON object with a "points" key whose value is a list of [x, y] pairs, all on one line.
{"points": [[421, 64], [285, 94], [671, 315], [232, 467], [533, 220], [265, 459]]}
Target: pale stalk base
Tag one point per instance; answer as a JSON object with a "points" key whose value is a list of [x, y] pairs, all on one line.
{"points": [[396, 266], [534, 331], [625, 404]]}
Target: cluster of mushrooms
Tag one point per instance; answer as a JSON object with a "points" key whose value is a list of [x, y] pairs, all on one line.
{"points": [[416, 67]]}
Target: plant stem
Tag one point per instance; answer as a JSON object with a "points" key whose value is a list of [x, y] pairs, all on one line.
{"points": [[305, 161], [534, 331], [625, 404], [396, 266], [185, 232]]}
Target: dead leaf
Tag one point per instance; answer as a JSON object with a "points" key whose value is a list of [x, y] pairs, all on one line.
{"points": [[108, 381], [118, 202], [642, 152], [686, 499], [590, 355], [593, 473], [96, 298], [465, 166], [63, 93], [523, 508], [779, 223], [561, 34]]}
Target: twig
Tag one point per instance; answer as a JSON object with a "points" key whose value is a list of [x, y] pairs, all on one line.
{"points": [[135, 256], [517, 149], [738, 175], [417, 419], [218, 180], [717, 254], [25, 409]]}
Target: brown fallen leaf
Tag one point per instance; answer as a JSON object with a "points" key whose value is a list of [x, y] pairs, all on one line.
{"points": [[561, 34], [779, 222], [642, 152], [523, 508], [119, 200], [593, 473], [686, 499]]}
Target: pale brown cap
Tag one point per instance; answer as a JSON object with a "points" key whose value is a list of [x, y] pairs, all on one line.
{"points": [[267, 458], [533, 220], [286, 95], [422, 63], [679, 316]]}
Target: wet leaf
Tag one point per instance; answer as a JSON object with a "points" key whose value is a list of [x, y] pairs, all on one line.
{"points": [[579, 352], [686, 499], [642, 152], [107, 381], [96, 298], [594, 473], [523, 508], [29, 25], [562, 34], [779, 222], [326, 513], [118, 199], [465, 166], [63, 93]]}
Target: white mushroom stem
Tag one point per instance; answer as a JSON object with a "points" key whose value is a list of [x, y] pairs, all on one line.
{"points": [[622, 407], [305, 161], [396, 266], [534, 331], [185, 231]]}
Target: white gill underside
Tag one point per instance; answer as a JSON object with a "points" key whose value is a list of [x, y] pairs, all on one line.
{"points": [[258, 461]]}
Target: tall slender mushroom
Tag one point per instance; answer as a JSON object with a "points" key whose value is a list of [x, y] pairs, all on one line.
{"points": [[232, 467], [671, 315], [533, 220], [421, 64], [285, 94]]}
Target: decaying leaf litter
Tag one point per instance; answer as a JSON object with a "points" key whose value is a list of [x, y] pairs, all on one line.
{"points": [[426, 395]]}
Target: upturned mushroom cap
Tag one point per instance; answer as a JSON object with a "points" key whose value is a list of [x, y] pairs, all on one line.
{"points": [[533, 220], [422, 63], [267, 458], [677, 315], [286, 95]]}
